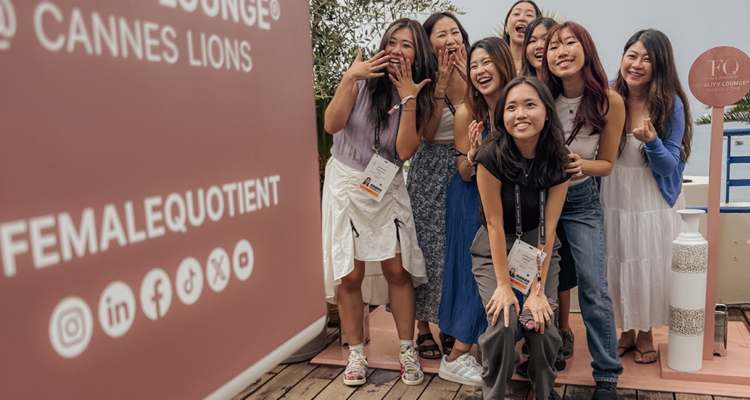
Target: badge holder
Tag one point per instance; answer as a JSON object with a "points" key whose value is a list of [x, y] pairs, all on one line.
{"points": [[379, 174], [524, 260]]}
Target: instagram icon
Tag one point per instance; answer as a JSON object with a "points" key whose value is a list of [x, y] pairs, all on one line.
{"points": [[70, 327]]}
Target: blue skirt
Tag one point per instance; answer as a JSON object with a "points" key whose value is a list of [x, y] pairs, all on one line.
{"points": [[462, 314]]}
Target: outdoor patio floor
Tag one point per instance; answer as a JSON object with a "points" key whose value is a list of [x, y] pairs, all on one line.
{"points": [[300, 381]]}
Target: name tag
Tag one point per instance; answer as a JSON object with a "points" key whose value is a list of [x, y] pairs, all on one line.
{"points": [[377, 177], [522, 265]]}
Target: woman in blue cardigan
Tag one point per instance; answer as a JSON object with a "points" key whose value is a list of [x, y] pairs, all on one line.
{"points": [[641, 197]]}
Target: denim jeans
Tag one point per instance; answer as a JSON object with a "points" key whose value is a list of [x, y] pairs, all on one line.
{"points": [[582, 219]]}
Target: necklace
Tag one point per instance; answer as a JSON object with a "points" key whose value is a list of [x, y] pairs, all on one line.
{"points": [[526, 173], [518, 64], [570, 109]]}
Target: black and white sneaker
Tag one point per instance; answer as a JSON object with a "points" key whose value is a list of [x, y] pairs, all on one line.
{"points": [[605, 391]]}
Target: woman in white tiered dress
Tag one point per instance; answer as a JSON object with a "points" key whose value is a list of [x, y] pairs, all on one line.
{"points": [[641, 197]]}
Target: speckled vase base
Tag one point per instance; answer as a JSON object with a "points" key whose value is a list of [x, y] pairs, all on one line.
{"points": [[687, 296]]}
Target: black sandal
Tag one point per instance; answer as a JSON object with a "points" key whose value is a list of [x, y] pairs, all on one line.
{"points": [[433, 348], [447, 341]]}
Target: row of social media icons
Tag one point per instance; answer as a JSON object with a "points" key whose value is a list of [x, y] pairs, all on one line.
{"points": [[72, 323]]}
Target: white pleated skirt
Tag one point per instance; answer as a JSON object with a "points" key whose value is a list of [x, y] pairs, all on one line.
{"points": [[639, 226], [356, 226]]}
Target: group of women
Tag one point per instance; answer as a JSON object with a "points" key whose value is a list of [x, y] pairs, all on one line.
{"points": [[530, 174]]}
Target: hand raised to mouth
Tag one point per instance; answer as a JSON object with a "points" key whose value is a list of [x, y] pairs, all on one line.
{"points": [[367, 69], [445, 72], [403, 80], [460, 55]]}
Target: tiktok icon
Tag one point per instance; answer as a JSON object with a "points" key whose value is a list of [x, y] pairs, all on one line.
{"points": [[189, 281], [156, 294]]}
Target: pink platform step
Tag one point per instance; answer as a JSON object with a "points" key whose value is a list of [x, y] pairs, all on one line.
{"points": [[722, 376]]}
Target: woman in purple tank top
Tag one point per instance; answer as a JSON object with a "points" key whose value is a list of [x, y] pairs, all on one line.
{"points": [[370, 248]]}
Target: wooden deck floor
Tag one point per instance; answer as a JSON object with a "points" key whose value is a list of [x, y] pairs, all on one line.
{"points": [[305, 381]]}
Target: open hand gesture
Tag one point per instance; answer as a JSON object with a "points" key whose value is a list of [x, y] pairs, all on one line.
{"points": [[646, 133], [460, 62], [475, 139], [367, 69], [403, 81], [446, 63]]}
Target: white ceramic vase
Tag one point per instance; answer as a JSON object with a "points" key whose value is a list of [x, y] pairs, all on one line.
{"points": [[687, 296]]}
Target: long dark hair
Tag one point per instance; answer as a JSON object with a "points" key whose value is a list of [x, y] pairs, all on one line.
{"points": [[501, 56], [424, 67], [437, 16], [538, 12], [595, 101], [551, 157], [527, 69], [664, 88]]}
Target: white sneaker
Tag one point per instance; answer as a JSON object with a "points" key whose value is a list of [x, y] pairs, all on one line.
{"points": [[356, 369], [465, 370], [411, 370]]}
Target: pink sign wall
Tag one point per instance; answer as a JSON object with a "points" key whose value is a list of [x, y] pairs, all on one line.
{"points": [[159, 194]]}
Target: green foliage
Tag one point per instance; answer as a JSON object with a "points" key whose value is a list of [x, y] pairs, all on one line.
{"points": [[740, 112], [339, 27], [559, 17]]}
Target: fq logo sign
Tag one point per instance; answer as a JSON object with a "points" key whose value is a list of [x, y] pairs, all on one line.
{"points": [[160, 214], [720, 76]]}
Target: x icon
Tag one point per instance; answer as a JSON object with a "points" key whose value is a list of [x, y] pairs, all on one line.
{"points": [[217, 267]]}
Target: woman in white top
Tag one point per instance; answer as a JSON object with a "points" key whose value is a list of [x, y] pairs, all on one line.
{"points": [[641, 197], [592, 116], [432, 168], [520, 15]]}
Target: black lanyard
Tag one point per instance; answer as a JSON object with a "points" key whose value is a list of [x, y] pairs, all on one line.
{"points": [[450, 105], [570, 139], [376, 144], [542, 227], [542, 231]]}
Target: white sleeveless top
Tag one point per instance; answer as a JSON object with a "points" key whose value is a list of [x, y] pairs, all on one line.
{"points": [[585, 144], [445, 129]]}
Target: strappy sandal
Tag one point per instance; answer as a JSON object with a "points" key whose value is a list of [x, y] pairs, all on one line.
{"points": [[429, 351], [447, 341], [626, 350], [643, 354]]}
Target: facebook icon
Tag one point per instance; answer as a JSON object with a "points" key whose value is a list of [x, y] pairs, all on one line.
{"points": [[156, 294]]}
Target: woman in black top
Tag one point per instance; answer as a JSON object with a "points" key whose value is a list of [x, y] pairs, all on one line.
{"points": [[524, 155]]}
